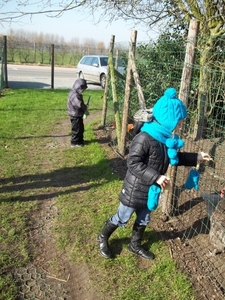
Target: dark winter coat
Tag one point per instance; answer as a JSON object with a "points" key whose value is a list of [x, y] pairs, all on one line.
{"points": [[147, 160], [75, 103]]}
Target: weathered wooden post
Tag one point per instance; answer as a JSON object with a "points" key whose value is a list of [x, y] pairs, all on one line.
{"points": [[106, 91], [137, 82], [217, 228], [131, 69], [132, 47], [189, 61], [169, 196], [114, 95]]}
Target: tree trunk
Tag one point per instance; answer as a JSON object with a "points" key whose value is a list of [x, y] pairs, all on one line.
{"points": [[201, 120]]}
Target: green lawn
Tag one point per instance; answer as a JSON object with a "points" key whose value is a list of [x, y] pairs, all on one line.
{"points": [[87, 193]]}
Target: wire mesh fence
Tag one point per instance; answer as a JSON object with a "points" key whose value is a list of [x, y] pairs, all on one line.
{"points": [[197, 215]]}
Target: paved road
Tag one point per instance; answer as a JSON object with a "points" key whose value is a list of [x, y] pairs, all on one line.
{"points": [[21, 76]]}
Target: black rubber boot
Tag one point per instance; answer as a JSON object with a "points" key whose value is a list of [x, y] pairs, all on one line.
{"points": [[135, 244], [103, 237]]}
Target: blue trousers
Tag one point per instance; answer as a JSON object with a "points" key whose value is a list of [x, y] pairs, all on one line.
{"points": [[124, 214]]}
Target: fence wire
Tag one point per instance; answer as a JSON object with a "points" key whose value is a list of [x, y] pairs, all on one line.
{"points": [[198, 217]]}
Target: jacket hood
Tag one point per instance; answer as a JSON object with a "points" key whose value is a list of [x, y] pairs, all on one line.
{"points": [[80, 85]]}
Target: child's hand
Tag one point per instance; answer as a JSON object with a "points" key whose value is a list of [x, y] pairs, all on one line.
{"points": [[222, 192], [202, 156], [163, 181]]}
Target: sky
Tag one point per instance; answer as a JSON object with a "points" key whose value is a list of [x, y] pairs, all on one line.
{"points": [[74, 24]]}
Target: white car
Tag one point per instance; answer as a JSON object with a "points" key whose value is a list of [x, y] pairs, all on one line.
{"points": [[94, 68]]}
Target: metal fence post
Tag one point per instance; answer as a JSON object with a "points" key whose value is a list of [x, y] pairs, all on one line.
{"points": [[6, 85], [52, 66]]}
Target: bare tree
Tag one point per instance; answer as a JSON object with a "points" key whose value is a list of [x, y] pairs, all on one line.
{"points": [[31, 8], [63, 49], [12, 46], [89, 45], [40, 46], [101, 47], [74, 46]]}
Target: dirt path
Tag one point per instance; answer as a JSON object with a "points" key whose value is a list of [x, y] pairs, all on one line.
{"points": [[50, 275]]}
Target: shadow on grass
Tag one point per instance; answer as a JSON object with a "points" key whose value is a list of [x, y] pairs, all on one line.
{"points": [[58, 182], [28, 85], [117, 244], [50, 136]]}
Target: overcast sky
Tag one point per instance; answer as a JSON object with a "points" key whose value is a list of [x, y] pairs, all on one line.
{"points": [[74, 24]]}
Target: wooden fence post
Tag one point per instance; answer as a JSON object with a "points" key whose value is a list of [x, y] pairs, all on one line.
{"points": [[169, 196], [132, 46], [131, 69], [114, 95], [137, 82], [189, 61], [106, 91]]}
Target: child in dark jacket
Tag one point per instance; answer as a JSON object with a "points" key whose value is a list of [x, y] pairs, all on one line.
{"points": [[150, 153], [76, 109]]}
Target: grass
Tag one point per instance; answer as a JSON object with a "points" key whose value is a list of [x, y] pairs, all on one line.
{"points": [[87, 193]]}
